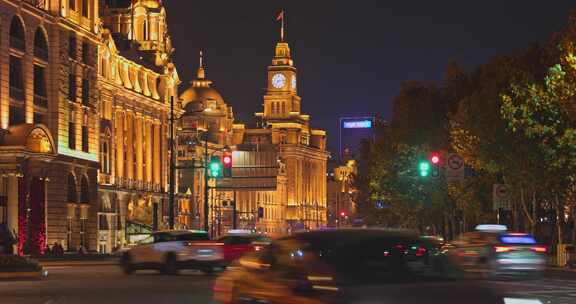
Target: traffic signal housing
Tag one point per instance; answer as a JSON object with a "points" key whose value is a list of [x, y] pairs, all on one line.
{"points": [[424, 168], [215, 168], [227, 162]]}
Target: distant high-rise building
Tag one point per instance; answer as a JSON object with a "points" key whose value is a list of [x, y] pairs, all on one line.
{"points": [[352, 131]]}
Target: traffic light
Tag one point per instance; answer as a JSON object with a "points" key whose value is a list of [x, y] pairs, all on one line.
{"points": [[227, 161], [424, 168], [342, 214], [435, 158], [215, 167]]}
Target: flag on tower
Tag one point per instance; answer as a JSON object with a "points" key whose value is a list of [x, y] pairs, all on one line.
{"points": [[281, 18]]}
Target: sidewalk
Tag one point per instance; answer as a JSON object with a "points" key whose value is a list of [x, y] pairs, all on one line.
{"points": [[73, 260]]}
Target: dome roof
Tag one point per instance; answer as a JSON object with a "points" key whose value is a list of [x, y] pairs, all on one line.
{"points": [[200, 94]]}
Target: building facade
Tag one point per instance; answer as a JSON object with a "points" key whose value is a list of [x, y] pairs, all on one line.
{"points": [[278, 175], [49, 122], [137, 80], [84, 103]]}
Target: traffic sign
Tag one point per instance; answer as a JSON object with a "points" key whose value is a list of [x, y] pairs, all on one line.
{"points": [[454, 167], [501, 197]]}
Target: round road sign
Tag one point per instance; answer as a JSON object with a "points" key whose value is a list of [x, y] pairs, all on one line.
{"points": [[455, 162]]}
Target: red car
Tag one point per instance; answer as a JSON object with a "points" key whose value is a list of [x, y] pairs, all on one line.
{"points": [[236, 245]]}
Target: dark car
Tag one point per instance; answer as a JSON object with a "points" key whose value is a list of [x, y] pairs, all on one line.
{"points": [[318, 266]]}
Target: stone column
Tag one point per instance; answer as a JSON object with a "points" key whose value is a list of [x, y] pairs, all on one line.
{"points": [[129, 161], [138, 134], [119, 142], [156, 154], [12, 203], [149, 150]]}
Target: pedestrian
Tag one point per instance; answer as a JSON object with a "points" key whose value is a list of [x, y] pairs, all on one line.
{"points": [[57, 250], [47, 251], [81, 251]]}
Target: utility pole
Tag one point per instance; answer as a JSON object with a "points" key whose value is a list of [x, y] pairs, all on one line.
{"points": [[206, 179], [171, 181]]}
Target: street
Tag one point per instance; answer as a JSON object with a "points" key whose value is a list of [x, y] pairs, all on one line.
{"points": [[106, 284]]}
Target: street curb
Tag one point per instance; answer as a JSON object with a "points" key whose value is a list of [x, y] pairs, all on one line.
{"points": [[79, 263], [20, 275]]}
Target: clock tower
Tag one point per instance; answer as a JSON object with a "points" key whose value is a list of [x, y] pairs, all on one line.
{"points": [[281, 101]]}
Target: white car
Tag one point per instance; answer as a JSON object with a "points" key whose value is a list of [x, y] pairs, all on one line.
{"points": [[169, 251]]}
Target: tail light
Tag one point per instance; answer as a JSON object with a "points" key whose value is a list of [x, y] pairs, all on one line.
{"points": [[502, 249], [540, 249], [420, 251], [189, 244]]}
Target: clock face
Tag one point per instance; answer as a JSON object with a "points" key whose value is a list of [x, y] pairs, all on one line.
{"points": [[293, 82], [278, 80]]}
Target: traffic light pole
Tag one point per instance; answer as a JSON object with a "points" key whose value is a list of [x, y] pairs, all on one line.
{"points": [[206, 180], [171, 170]]}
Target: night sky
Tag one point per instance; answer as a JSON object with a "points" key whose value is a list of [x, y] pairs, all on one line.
{"points": [[351, 55]]}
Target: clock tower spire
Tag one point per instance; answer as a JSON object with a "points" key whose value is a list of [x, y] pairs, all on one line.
{"points": [[281, 101]]}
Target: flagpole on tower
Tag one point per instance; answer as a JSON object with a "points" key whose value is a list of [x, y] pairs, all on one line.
{"points": [[281, 18]]}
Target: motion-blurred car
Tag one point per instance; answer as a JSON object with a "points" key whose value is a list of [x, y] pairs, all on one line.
{"points": [[239, 242], [494, 251], [314, 266], [169, 251]]}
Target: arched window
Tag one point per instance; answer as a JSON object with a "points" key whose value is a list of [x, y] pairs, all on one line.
{"points": [[40, 45], [17, 38], [84, 191], [72, 196]]}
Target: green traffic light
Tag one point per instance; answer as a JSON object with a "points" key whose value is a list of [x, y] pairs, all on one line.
{"points": [[424, 168]]}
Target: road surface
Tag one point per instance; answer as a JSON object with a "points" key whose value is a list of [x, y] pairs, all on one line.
{"points": [[105, 284]]}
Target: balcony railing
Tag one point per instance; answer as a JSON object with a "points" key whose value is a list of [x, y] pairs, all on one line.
{"points": [[17, 93], [40, 101], [17, 43], [37, 3], [41, 53]]}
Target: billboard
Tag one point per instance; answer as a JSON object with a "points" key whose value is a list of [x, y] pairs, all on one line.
{"points": [[352, 131]]}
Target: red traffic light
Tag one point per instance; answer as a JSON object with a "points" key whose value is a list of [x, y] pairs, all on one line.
{"points": [[227, 159], [435, 158], [342, 213]]}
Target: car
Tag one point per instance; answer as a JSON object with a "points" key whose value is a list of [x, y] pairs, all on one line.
{"points": [[238, 243], [314, 266], [497, 252], [170, 251]]}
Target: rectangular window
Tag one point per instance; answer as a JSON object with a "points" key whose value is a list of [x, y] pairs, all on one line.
{"points": [[72, 87], [16, 79], [72, 47], [72, 4], [39, 118], [85, 8], [85, 144], [16, 115], [72, 135], [86, 53], [85, 92], [40, 87]]}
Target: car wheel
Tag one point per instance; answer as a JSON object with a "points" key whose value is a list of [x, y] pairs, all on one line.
{"points": [[126, 263], [170, 266]]}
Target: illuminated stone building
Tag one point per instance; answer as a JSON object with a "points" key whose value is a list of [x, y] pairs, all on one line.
{"points": [[137, 79], [205, 126], [49, 122], [300, 151], [278, 177]]}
